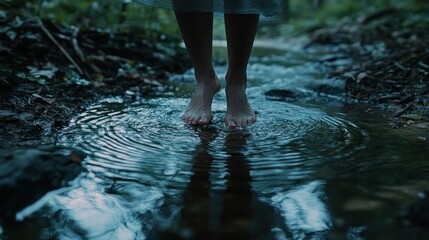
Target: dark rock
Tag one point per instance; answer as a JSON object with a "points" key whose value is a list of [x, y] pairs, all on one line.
{"points": [[282, 95], [7, 80], [418, 213], [28, 174], [329, 89]]}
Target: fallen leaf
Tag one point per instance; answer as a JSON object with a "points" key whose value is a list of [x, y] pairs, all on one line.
{"points": [[421, 125], [361, 76], [43, 73], [413, 116], [131, 93], [6, 113], [73, 78], [48, 100]]}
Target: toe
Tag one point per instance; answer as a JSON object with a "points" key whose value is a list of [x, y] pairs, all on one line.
{"points": [[243, 122], [251, 120], [204, 120], [196, 120], [190, 119], [248, 122], [186, 117], [231, 124]]}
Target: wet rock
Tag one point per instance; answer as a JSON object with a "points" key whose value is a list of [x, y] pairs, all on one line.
{"points": [[28, 174], [328, 89], [418, 213], [282, 95], [6, 115]]}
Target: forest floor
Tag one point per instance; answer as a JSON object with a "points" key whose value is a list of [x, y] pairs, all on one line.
{"points": [[49, 73], [390, 62]]}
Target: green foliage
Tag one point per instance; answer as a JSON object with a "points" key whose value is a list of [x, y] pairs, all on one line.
{"points": [[122, 15], [304, 15], [19, 7], [110, 14], [130, 16]]}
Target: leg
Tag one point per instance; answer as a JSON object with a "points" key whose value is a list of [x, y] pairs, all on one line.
{"points": [[196, 29], [240, 34]]}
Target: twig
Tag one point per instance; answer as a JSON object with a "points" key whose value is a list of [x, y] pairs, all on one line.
{"points": [[76, 44], [402, 111], [423, 65], [400, 66], [52, 38], [77, 49]]}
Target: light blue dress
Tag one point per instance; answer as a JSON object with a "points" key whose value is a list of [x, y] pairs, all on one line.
{"points": [[267, 8]]}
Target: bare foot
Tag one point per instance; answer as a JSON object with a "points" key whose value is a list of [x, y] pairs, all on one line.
{"points": [[238, 113], [199, 110]]}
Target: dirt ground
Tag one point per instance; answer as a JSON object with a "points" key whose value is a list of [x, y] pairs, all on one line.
{"points": [[49, 73], [390, 69]]}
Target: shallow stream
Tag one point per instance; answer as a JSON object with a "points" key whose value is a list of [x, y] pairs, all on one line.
{"points": [[312, 167]]}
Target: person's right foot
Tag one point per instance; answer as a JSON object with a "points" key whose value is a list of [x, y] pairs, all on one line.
{"points": [[238, 113], [199, 110]]}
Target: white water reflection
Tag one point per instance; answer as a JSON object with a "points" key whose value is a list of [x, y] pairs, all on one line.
{"points": [[304, 210], [93, 212]]}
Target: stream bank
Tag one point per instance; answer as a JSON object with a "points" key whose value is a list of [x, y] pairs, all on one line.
{"points": [[389, 61]]}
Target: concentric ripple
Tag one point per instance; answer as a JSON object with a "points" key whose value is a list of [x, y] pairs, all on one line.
{"points": [[146, 141], [147, 144]]}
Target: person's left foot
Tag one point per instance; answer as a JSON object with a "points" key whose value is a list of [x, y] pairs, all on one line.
{"points": [[238, 113], [199, 111]]}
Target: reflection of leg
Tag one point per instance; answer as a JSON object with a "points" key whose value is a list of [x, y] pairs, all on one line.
{"points": [[240, 33], [195, 214], [236, 215], [196, 29]]}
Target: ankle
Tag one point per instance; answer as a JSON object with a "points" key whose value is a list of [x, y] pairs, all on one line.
{"points": [[212, 85], [236, 81], [205, 76], [235, 86], [235, 90]]}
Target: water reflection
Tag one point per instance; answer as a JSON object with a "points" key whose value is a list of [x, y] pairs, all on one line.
{"points": [[236, 216], [238, 212], [151, 176], [206, 214], [304, 211], [195, 214]]}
